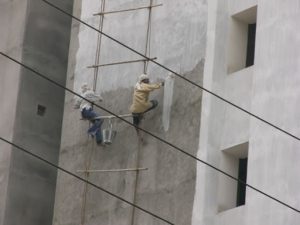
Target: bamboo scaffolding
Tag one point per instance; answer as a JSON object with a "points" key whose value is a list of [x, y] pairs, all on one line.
{"points": [[121, 62], [126, 10], [112, 170]]}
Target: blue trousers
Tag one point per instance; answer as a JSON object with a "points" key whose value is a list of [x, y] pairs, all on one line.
{"points": [[95, 129]]}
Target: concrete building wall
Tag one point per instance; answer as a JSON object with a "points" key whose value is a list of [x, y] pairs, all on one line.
{"points": [[269, 90], [11, 41], [39, 37], [178, 40]]}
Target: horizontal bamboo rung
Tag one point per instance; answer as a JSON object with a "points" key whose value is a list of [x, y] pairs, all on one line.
{"points": [[112, 170], [121, 62], [126, 10], [112, 116]]}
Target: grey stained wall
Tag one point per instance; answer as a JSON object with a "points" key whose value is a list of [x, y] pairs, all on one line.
{"points": [[11, 42], [30, 183], [178, 39]]}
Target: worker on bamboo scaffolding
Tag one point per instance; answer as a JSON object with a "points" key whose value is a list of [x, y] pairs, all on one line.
{"points": [[141, 104], [87, 111]]}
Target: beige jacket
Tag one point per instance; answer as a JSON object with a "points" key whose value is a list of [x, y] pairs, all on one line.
{"points": [[141, 93]]}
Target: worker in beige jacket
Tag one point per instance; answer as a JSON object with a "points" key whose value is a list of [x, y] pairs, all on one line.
{"points": [[140, 103]]}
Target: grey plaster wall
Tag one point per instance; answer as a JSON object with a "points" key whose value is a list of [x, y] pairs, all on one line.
{"points": [[12, 15], [268, 89], [167, 188], [178, 40], [31, 183]]}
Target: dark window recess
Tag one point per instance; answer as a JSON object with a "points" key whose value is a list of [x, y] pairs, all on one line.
{"points": [[251, 45], [241, 188], [41, 110]]}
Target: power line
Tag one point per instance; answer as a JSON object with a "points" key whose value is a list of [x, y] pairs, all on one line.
{"points": [[151, 134], [84, 180], [177, 74]]}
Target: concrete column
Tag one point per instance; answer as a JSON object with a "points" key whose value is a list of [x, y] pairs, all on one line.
{"points": [[39, 36]]}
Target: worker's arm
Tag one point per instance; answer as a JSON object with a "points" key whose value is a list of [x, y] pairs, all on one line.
{"points": [[77, 101], [150, 87]]}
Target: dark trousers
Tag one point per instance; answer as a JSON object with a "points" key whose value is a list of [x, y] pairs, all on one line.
{"points": [[95, 129], [138, 116]]}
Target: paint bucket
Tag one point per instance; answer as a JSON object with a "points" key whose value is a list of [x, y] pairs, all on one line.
{"points": [[108, 134]]}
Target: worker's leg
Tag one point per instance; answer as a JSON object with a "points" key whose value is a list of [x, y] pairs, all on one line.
{"points": [[90, 114], [95, 127], [154, 105], [98, 135], [136, 118]]}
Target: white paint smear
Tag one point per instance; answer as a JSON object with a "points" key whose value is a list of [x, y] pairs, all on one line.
{"points": [[168, 97]]}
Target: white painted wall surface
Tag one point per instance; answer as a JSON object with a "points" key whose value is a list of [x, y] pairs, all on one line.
{"points": [[269, 89]]}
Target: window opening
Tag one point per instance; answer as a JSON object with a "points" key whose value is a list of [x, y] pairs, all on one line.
{"points": [[234, 161], [251, 45], [41, 110], [241, 40], [241, 188]]}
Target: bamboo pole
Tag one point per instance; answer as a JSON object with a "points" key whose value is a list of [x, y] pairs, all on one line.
{"points": [[126, 10], [112, 170], [121, 62]]}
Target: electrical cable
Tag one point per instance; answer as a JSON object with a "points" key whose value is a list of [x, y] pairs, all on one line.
{"points": [[84, 180], [175, 73], [151, 134]]}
